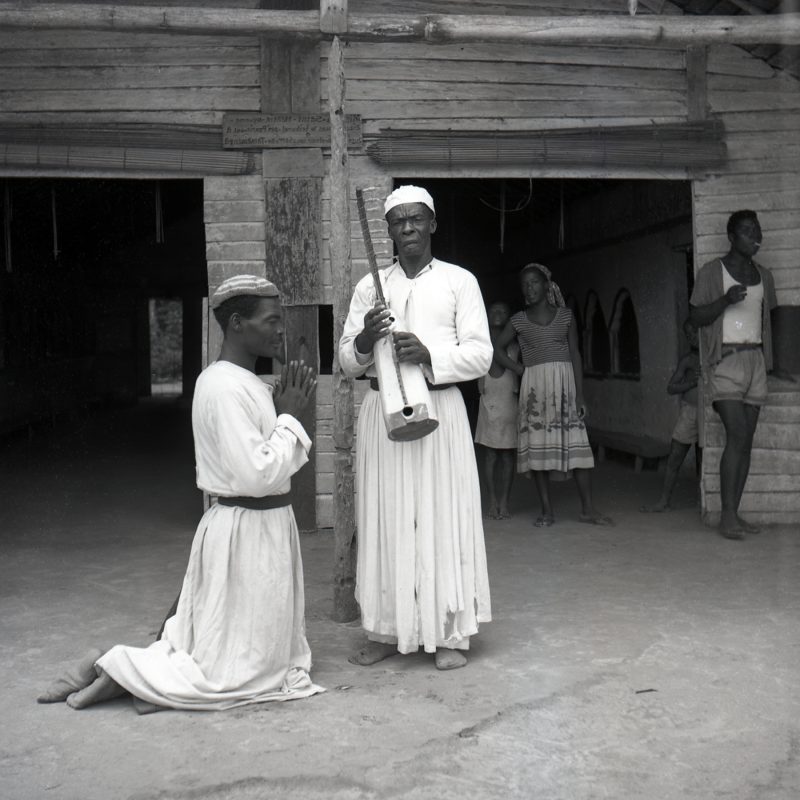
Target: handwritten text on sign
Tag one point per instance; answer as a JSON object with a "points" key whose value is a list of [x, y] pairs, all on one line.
{"points": [[284, 130]]}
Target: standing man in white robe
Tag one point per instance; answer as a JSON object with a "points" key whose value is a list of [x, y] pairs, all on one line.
{"points": [[238, 634], [421, 577]]}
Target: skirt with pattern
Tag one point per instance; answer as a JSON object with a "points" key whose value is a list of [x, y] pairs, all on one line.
{"points": [[551, 435]]}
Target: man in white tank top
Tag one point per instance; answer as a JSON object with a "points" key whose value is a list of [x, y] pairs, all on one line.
{"points": [[731, 304]]}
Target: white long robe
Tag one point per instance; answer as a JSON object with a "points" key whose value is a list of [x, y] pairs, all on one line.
{"points": [[421, 576], [238, 635]]}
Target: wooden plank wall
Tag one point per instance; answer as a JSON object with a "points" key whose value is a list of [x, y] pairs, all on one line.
{"points": [[533, 87], [760, 109], [90, 77]]}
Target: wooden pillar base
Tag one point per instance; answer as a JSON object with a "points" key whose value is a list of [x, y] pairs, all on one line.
{"points": [[345, 607]]}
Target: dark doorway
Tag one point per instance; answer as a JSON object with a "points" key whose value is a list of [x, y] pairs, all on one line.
{"points": [[80, 263], [598, 237]]}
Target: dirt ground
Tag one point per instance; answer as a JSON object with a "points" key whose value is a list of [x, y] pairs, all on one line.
{"points": [[650, 660]]}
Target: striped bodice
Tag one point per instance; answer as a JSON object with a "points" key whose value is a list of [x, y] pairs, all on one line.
{"points": [[542, 344]]}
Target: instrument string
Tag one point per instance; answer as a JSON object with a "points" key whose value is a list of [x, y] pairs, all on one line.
{"points": [[376, 278]]}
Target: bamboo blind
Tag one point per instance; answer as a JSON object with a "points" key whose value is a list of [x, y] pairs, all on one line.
{"points": [[696, 146]]}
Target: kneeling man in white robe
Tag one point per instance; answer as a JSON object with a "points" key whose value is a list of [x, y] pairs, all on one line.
{"points": [[238, 633]]}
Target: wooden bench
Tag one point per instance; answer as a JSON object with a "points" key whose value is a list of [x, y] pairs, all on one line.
{"points": [[640, 447]]}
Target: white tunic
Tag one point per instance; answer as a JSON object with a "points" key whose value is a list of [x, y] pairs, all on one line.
{"points": [[238, 635], [421, 571]]}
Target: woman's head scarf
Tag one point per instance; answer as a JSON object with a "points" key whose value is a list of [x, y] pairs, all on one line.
{"points": [[554, 296]]}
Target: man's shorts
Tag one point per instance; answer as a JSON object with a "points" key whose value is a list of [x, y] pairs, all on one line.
{"points": [[685, 430], [741, 375]]}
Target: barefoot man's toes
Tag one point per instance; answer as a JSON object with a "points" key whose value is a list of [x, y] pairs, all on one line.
{"points": [[372, 653], [104, 688], [75, 678], [449, 659]]}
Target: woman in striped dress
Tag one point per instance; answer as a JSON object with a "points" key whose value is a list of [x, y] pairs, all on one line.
{"points": [[552, 433]]}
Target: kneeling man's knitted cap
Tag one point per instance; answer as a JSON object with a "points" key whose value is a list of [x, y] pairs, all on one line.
{"points": [[408, 194], [243, 284]]}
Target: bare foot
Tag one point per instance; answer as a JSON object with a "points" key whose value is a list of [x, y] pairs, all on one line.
{"points": [[730, 528], [658, 508], [746, 526], [75, 678], [372, 653], [595, 518], [449, 659], [503, 513], [545, 521], [104, 688]]}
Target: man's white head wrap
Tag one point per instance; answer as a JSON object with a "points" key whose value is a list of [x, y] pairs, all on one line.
{"points": [[243, 285], [408, 194]]}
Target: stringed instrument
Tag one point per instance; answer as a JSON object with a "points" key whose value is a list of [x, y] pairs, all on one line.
{"points": [[405, 398]]}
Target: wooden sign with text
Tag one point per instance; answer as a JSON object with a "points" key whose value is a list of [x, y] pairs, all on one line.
{"points": [[254, 131]]}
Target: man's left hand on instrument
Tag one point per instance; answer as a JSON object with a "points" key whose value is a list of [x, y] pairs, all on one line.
{"points": [[410, 349]]}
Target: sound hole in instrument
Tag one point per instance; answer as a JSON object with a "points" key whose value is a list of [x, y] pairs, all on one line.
{"points": [[413, 429]]}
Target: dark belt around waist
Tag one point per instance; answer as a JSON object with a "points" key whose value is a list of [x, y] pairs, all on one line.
{"points": [[433, 387], [727, 349], [257, 503]]}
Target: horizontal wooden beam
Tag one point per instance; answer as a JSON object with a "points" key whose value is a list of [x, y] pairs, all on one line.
{"points": [[431, 28]]}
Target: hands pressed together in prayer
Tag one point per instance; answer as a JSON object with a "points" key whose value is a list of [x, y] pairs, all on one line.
{"points": [[294, 388], [378, 324]]}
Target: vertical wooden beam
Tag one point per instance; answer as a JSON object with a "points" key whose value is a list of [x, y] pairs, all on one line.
{"points": [[293, 218], [333, 16], [276, 76], [345, 607], [697, 109], [697, 82]]}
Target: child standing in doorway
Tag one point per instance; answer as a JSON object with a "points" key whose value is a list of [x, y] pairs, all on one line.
{"points": [[551, 431], [684, 435], [497, 419]]}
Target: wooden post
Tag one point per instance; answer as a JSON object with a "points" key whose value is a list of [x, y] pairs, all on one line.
{"points": [[333, 16], [293, 223], [345, 607], [696, 82]]}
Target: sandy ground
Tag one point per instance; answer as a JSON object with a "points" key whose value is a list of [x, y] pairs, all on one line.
{"points": [[650, 660]]}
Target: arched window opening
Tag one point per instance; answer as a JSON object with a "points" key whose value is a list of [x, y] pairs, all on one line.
{"points": [[597, 351], [625, 337]]}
